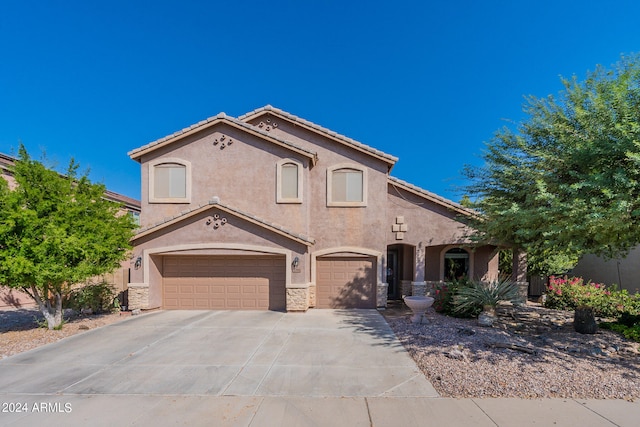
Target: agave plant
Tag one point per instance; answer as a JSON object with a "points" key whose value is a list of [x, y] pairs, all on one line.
{"points": [[484, 294]]}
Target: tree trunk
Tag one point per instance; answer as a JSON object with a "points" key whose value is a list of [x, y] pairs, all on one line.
{"points": [[53, 315], [584, 321]]}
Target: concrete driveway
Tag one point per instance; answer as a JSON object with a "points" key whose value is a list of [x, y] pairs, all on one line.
{"points": [[201, 354]]}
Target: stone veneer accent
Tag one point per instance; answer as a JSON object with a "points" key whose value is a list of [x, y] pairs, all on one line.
{"points": [[405, 287], [418, 289], [138, 296], [381, 297], [297, 298], [312, 296]]}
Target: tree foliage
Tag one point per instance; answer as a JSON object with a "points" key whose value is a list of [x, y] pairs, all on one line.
{"points": [[566, 182], [56, 231]]}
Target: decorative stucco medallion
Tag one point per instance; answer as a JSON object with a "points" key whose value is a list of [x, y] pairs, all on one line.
{"points": [[267, 125], [216, 221], [222, 142]]}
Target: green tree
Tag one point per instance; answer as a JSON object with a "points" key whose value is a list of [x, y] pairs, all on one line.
{"points": [[57, 230], [566, 181]]}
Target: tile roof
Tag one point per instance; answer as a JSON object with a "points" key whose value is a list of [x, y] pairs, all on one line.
{"points": [[327, 132], [135, 153], [215, 202], [431, 196]]}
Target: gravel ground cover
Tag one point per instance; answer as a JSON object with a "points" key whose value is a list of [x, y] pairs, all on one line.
{"points": [[531, 352], [20, 330]]}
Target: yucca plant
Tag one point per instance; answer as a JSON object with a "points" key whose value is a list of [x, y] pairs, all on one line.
{"points": [[480, 295]]}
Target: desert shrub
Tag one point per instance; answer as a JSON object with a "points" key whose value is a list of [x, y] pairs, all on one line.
{"points": [[98, 297], [569, 293], [471, 299]]}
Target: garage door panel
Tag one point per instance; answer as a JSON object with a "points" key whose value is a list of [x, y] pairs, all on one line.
{"points": [[346, 282], [217, 289], [248, 283]]}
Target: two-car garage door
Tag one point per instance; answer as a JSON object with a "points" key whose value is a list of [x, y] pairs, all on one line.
{"points": [[224, 282]]}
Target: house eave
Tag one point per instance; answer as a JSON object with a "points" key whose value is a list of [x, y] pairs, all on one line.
{"points": [[138, 153], [427, 195]]}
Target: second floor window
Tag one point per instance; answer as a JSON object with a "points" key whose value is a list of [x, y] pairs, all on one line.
{"points": [[346, 186], [169, 182], [289, 176]]}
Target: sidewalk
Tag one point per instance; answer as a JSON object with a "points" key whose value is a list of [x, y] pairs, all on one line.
{"points": [[104, 410]]}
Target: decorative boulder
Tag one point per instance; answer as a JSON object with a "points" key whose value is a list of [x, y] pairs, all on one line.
{"points": [[584, 321]]}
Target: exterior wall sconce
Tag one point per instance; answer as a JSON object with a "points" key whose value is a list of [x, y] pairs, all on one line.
{"points": [[295, 263], [138, 263]]}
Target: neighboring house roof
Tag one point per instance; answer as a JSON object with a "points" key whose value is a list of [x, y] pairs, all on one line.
{"points": [[388, 158], [431, 196], [137, 153], [128, 202], [215, 202], [7, 161]]}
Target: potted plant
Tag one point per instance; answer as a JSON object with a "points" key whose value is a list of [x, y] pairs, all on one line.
{"points": [[483, 297]]}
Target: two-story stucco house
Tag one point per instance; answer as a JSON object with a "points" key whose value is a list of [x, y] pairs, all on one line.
{"points": [[270, 211]]}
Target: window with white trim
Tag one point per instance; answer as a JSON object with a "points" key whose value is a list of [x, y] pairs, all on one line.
{"points": [[169, 181], [346, 186], [289, 181]]}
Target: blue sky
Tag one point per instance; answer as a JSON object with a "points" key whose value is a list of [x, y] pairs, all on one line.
{"points": [[427, 81]]}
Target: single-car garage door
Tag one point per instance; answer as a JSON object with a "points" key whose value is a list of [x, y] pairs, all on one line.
{"points": [[224, 282], [346, 282]]}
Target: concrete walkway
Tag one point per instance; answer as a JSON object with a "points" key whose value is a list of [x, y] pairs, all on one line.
{"points": [[324, 367]]}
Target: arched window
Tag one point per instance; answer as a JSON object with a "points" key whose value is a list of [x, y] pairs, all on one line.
{"points": [[169, 181], [456, 264], [289, 181], [346, 186]]}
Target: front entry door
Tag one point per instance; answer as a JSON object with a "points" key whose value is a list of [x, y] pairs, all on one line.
{"points": [[392, 274]]}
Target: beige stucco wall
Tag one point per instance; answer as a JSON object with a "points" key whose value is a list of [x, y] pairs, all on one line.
{"points": [[242, 175], [338, 226], [426, 221], [624, 272]]}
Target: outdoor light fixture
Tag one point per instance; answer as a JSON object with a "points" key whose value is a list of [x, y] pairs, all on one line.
{"points": [[295, 263], [138, 263]]}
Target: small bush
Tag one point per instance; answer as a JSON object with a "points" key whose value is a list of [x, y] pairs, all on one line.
{"points": [[444, 298], [569, 293], [98, 297], [629, 332]]}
